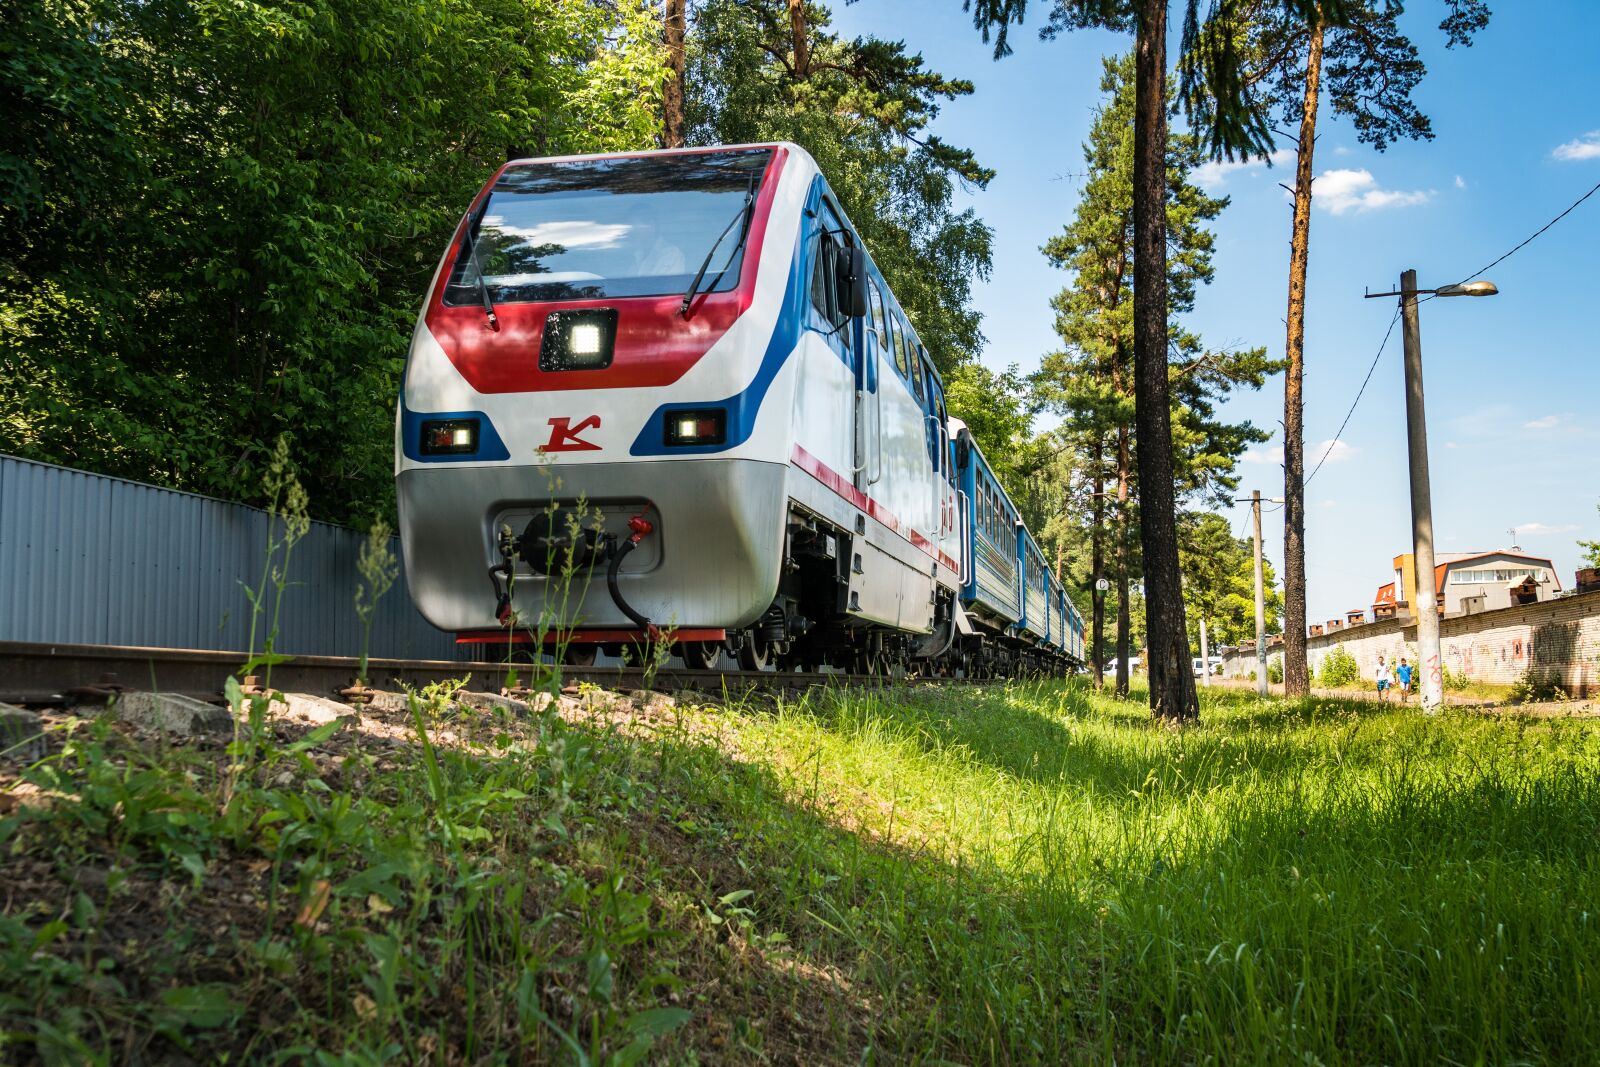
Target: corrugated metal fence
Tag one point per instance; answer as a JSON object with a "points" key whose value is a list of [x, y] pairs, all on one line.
{"points": [[86, 559]]}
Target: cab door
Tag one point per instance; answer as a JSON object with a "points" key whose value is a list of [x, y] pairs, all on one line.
{"points": [[873, 334]]}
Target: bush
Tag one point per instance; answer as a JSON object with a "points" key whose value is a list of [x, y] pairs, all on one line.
{"points": [[1453, 681], [1531, 688], [1339, 668], [1275, 670]]}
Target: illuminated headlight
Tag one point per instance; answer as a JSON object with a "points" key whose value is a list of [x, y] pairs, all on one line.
{"points": [[584, 340], [578, 340], [449, 437], [708, 427]]}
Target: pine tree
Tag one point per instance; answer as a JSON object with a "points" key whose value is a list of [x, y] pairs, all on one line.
{"points": [[1368, 71], [1092, 379], [1220, 107], [674, 24], [763, 70]]}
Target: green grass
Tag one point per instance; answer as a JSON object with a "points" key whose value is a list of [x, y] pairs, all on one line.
{"points": [[1004, 874], [1322, 882]]}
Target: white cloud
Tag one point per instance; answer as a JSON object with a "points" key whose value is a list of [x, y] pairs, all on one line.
{"points": [[1544, 422], [1450, 444], [1585, 147], [1342, 150], [1339, 191], [1214, 175], [1334, 450], [1461, 183], [1330, 503], [1537, 528]]}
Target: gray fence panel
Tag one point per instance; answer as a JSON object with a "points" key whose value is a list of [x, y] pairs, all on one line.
{"points": [[87, 559]]}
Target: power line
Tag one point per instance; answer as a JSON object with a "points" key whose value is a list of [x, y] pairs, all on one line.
{"points": [[1332, 443], [1529, 239], [1525, 242]]}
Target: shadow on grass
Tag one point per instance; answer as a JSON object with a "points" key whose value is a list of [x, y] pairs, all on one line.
{"points": [[1337, 896]]}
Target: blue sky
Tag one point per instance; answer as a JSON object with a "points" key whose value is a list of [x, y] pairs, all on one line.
{"points": [[1512, 381]]}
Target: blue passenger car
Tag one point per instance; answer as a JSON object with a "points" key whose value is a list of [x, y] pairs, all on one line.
{"points": [[1035, 624], [991, 594]]}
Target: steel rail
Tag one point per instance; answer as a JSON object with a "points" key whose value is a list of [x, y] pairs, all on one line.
{"points": [[44, 673]]}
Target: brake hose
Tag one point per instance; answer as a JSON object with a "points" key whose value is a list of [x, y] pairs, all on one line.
{"points": [[640, 527]]}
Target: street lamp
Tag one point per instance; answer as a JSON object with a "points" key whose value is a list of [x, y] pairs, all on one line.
{"points": [[1478, 288], [1428, 650]]}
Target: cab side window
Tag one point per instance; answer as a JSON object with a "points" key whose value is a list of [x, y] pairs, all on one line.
{"points": [[824, 269], [900, 348], [880, 323], [917, 383]]}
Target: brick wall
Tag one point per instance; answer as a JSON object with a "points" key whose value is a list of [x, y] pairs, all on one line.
{"points": [[1556, 639]]}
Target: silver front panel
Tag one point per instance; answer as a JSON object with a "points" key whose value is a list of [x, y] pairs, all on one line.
{"points": [[712, 560]]}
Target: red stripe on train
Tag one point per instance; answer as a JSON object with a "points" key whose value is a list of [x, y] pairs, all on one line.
{"points": [[845, 488]]}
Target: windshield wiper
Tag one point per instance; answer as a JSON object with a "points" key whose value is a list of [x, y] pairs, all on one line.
{"points": [[743, 217], [483, 286]]}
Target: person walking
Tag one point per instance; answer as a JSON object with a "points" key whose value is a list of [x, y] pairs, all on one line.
{"points": [[1403, 673], [1384, 673]]}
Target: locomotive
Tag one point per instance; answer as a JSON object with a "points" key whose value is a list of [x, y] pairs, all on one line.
{"points": [[667, 395]]}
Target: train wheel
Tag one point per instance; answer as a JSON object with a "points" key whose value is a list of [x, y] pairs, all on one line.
{"points": [[699, 655], [754, 655], [867, 662], [579, 655]]}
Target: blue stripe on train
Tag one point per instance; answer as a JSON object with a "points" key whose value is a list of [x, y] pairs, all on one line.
{"points": [[490, 446]]}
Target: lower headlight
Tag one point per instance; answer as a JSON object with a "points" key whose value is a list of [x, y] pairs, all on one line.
{"points": [[449, 437], [702, 427]]}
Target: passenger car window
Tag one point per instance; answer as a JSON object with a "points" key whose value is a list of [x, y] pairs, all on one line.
{"points": [[916, 377]]}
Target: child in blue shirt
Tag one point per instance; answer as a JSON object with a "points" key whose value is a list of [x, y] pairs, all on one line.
{"points": [[1403, 673]]}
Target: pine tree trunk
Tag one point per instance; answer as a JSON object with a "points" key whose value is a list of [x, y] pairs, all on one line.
{"points": [[1098, 566], [798, 39], [674, 17], [1296, 678], [1124, 623], [1172, 692]]}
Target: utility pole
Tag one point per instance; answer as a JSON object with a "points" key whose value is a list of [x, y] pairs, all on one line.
{"points": [[1261, 601], [1205, 654], [1427, 605]]}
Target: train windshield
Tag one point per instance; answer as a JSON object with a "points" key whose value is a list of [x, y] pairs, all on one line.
{"points": [[600, 228]]}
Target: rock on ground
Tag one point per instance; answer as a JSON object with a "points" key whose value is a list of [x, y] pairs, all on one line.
{"points": [[21, 734], [315, 709], [173, 712]]}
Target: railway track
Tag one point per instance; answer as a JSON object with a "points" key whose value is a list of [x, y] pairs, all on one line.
{"points": [[55, 674]]}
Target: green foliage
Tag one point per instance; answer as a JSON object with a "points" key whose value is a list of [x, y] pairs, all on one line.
{"points": [[999, 410], [378, 568], [861, 108], [1219, 583], [1537, 686], [1590, 550], [1452, 680], [219, 218], [1275, 670], [1339, 669]]}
